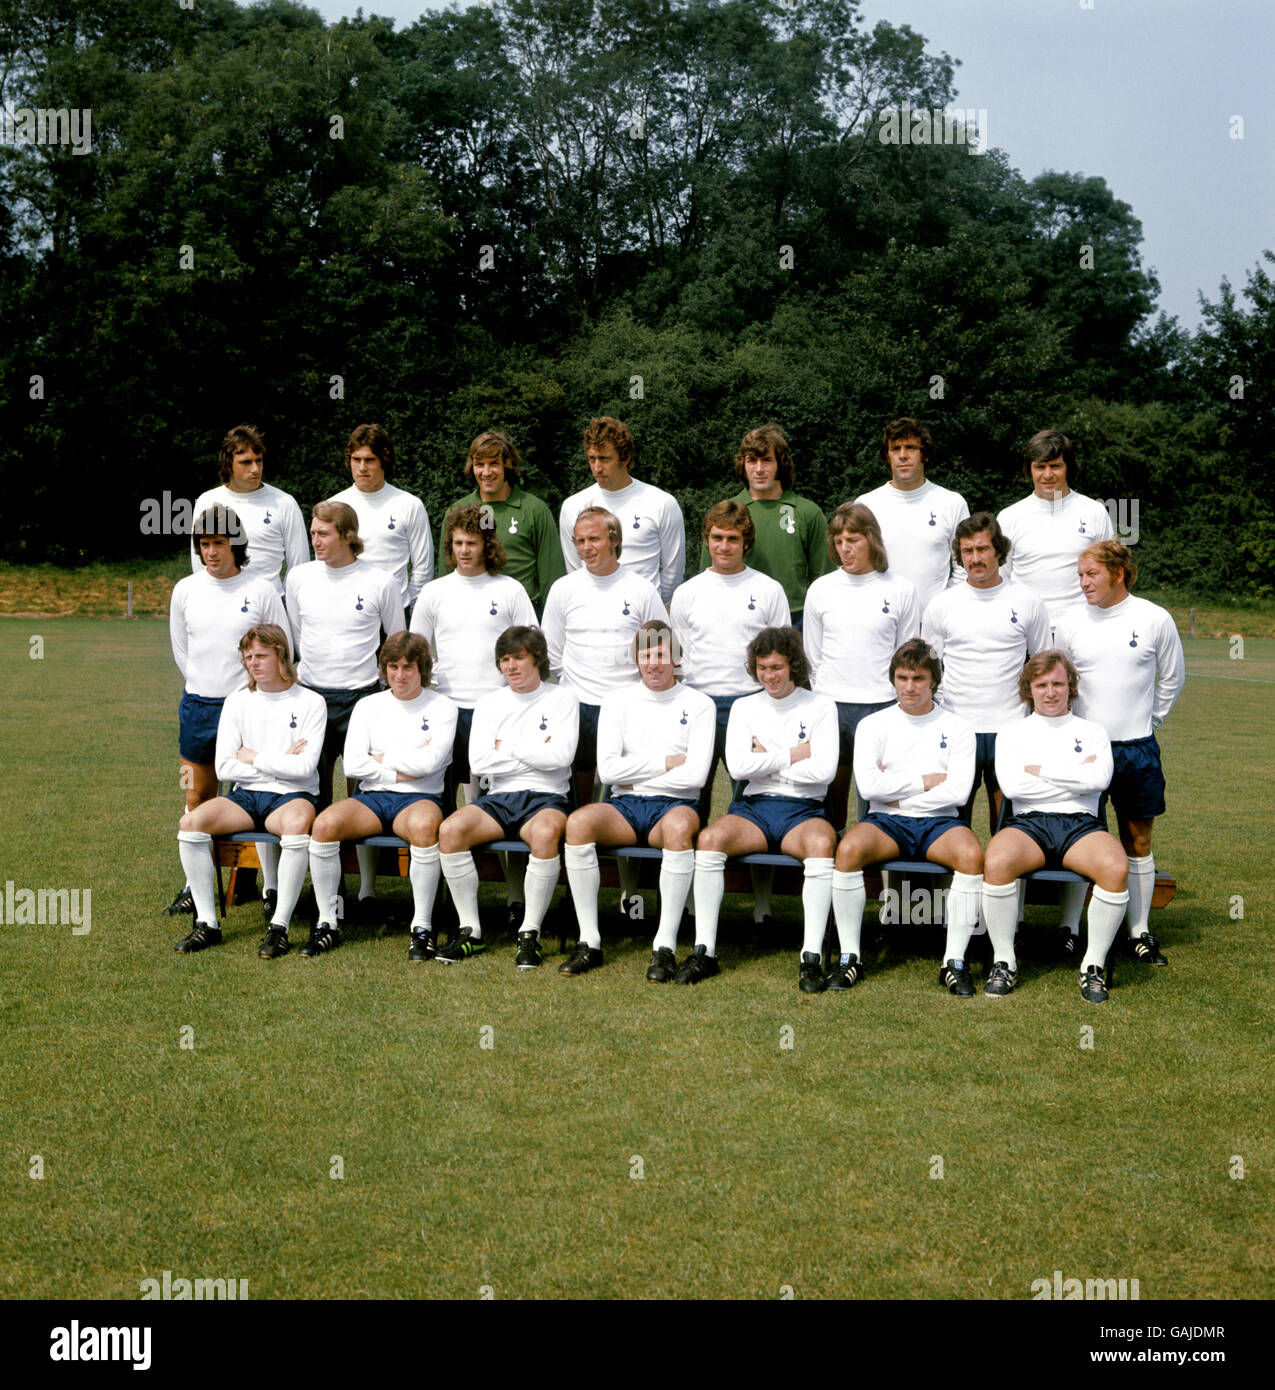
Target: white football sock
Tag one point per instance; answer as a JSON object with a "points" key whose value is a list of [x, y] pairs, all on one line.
{"points": [[542, 879], [963, 902], [195, 849], [268, 854], [1105, 911], [1072, 902], [763, 876], [1141, 890], [710, 889], [1000, 917], [584, 878], [325, 876], [677, 874], [294, 860], [849, 898], [424, 871], [461, 874], [816, 899], [367, 871]]}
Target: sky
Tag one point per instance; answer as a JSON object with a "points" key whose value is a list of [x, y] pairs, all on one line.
{"points": [[1140, 92]]}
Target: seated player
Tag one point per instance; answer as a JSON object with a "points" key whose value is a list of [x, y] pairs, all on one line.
{"points": [[399, 744], [1053, 766], [522, 743], [268, 744], [783, 741], [655, 742], [914, 763]]}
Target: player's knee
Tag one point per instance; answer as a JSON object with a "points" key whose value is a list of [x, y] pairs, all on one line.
{"points": [[968, 859]]}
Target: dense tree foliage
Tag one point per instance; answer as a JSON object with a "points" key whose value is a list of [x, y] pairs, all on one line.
{"points": [[682, 212]]}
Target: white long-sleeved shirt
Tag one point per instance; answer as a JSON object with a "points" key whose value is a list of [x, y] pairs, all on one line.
{"points": [[274, 525], [639, 728], [461, 618], [206, 619], [1130, 662], [338, 617], [779, 725], [907, 746], [653, 534], [983, 637], [917, 528], [589, 624], [394, 529], [414, 737], [1067, 784], [537, 732], [714, 617], [269, 724], [1045, 537], [854, 624]]}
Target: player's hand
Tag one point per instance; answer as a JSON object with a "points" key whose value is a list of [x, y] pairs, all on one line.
{"points": [[1092, 758], [674, 760], [1032, 769], [378, 757], [758, 745], [296, 747], [496, 745], [798, 752], [895, 804], [247, 755], [880, 765], [932, 779]]}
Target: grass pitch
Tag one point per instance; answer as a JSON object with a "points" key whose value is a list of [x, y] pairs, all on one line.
{"points": [[355, 1126]]}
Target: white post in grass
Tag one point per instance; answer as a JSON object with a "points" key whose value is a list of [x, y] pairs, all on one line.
{"points": [[129, 614], [1193, 622]]}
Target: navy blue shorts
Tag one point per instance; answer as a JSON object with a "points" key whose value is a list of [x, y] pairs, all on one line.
{"points": [[1053, 832], [724, 704], [776, 815], [1137, 784], [849, 718], [913, 834], [643, 813], [385, 806], [984, 771], [340, 705], [587, 743], [512, 810], [259, 805], [198, 717], [458, 771]]}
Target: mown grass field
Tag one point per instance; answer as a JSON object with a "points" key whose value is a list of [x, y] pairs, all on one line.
{"points": [[616, 1139]]}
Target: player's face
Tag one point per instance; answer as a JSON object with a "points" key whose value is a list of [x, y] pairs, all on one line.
{"points": [[655, 665], [218, 558], [367, 469], [761, 472], [262, 664], [604, 463], [1100, 587], [595, 546], [1049, 478], [906, 469], [520, 672], [467, 551], [853, 551], [1049, 692], [245, 471], [489, 479], [327, 542], [978, 560], [775, 675], [915, 691], [726, 550], [403, 678]]}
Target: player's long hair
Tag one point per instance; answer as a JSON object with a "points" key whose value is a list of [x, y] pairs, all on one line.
{"points": [[270, 635], [971, 526], [918, 655], [757, 442], [236, 441], [406, 646], [1050, 444], [494, 445], [516, 640], [860, 521], [606, 429], [375, 438], [221, 521], [346, 521], [785, 642], [1037, 666], [474, 522], [730, 516]]}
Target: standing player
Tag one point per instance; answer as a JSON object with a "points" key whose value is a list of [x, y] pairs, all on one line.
{"points": [[268, 743], [1129, 658], [983, 631], [655, 740], [399, 744], [208, 614], [790, 534], [590, 621], [914, 762], [523, 742], [393, 525], [857, 617], [272, 521], [523, 523], [1053, 766], [783, 743], [654, 534], [1048, 530], [917, 517]]}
